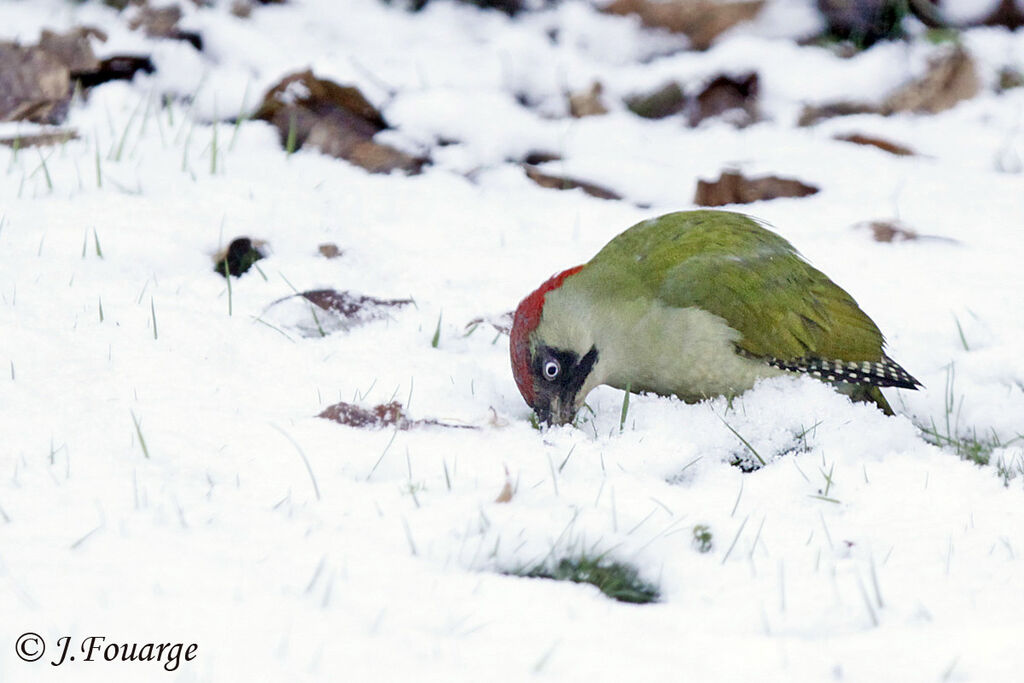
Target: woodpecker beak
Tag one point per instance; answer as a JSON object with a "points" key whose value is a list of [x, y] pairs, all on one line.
{"points": [[557, 401], [556, 411]]}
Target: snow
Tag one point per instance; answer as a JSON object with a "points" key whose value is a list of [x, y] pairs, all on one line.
{"points": [[289, 547]]}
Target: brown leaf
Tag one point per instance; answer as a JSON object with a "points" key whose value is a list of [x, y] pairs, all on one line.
{"points": [[162, 22], [34, 85], [700, 20], [377, 417], [814, 113], [734, 188], [320, 312], [1007, 14], [895, 231], [951, 78], [563, 183], [73, 48], [506, 491], [889, 231], [335, 119], [884, 145], [587, 102], [157, 22], [736, 97], [351, 305], [241, 8]]}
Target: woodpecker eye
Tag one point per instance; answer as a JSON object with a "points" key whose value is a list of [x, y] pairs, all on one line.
{"points": [[551, 369]]}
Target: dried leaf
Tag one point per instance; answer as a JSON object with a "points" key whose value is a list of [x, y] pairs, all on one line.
{"points": [[383, 415], [884, 145], [335, 119], [34, 85], [351, 305], [241, 8], [734, 188], [700, 20], [563, 183], [162, 22], [951, 78], [377, 417], [895, 231], [890, 231], [813, 114], [319, 312], [587, 102], [73, 48], [157, 22], [1007, 14], [506, 491], [734, 97]]}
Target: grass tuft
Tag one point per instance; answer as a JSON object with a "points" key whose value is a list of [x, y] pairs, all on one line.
{"points": [[617, 580], [966, 444], [742, 440]]}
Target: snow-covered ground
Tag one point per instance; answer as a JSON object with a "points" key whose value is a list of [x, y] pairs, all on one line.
{"points": [[164, 477]]}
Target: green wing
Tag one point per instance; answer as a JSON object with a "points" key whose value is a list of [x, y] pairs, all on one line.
{"points": [[729, 265]]}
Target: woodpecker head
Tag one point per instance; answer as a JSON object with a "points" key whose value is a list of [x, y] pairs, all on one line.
{"points": [[551, 371]]}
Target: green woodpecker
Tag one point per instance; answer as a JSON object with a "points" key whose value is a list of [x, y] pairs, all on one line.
{"points": [[696, 304]]}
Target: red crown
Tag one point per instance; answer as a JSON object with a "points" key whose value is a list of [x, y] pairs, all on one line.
{"points": [[526, 320]]}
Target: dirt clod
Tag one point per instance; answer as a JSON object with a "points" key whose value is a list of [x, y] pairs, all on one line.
{"points": [[239, 257]]}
